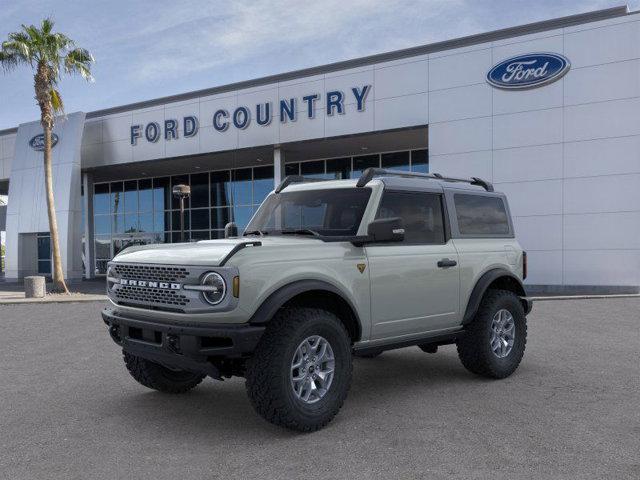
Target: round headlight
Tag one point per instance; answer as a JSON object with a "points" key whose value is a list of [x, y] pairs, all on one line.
{"points": [[216, 288]]}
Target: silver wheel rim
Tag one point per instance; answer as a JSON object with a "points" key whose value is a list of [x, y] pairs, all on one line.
{"points": [[503, 333], [312, 369]]}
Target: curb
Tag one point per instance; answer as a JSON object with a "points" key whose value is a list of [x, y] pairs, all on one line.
{"points": [[584, 297], [62, 299]]}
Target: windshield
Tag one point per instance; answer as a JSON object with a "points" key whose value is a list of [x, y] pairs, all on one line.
{"points": [[334, 212]]}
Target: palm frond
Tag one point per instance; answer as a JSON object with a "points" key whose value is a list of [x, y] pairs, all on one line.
{"points": [[79, 60], [56, 101]]}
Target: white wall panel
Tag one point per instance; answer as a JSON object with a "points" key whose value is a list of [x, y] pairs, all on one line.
{"points": [[352, 121], [117, 152], [602, 267], [117, 127], [459, 69], [212, 140], [460, 136], [460, 103], [398, 112], [602, 231], [544, 267], [345, 82], [602, 82], [547, 42], [528, 231], [533, 198], [304, 128], [403, 79], [611, 193], [603, 45], [512, 101], [472, 164], [539, 162], [602, 157], [527, 128], [92, 132], [600, 120]]}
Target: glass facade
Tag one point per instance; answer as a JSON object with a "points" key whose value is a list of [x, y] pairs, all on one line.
{"points": [[142, 211]]}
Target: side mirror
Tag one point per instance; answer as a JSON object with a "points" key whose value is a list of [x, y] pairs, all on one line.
{"points": [[230, 230], [386, 230]]}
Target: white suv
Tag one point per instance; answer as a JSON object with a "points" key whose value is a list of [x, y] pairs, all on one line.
{"points": [[326, 269]]}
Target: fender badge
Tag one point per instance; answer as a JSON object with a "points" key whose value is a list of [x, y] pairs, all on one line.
{"points": [[361, 267]]}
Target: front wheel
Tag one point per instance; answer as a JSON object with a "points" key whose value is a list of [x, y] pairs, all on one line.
{"points": [[300, 373], [495, 339]]}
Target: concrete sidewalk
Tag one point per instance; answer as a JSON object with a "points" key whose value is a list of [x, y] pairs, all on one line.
{"points": [[83, 291]]}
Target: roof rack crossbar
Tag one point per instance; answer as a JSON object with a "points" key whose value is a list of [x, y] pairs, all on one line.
{"points": [[296, 179], [372, 172]]}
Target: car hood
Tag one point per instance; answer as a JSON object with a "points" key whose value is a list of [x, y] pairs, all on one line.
{"points": [[206, 252]]}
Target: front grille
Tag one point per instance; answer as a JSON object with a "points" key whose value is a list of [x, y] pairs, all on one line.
{"points": [[158, 296], [151, 272]]}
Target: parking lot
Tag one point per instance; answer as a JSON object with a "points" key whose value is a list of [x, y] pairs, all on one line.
{"points": [[70, 410]]}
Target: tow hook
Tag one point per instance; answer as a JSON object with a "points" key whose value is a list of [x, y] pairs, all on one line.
{"points": [[173, 343], [114, 331]]}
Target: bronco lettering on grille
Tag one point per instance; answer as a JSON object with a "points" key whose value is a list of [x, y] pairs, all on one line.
{"points": [[150, 284]]}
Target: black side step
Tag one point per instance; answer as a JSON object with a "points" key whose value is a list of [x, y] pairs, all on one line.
{"points": [[434, 340]]}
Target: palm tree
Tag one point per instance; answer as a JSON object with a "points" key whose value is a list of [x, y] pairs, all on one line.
{"points": [[47, 53]]}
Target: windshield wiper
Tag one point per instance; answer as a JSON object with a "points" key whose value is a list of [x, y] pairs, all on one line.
{"points": [[300, 231], [255, 232]]}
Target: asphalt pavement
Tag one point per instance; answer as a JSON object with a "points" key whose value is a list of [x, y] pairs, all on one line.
{"points": [[68, 409]]}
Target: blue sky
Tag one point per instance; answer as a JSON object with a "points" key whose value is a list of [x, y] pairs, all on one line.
{"points": [[145, 50]]}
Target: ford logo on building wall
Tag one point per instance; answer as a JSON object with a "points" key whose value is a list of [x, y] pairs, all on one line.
{"points": [[528, 71], [37, 142]]}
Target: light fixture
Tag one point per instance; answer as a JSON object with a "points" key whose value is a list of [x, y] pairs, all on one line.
{"points": [[364, 149]]}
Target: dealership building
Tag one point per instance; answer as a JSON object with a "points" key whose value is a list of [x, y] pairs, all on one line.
{"points": [[548, 112]]}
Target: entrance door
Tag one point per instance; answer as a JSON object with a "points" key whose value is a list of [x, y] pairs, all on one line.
{"points": [[414, 284]]}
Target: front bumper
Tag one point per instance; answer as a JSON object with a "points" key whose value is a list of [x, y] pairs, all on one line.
{"points": [[187, 347]]}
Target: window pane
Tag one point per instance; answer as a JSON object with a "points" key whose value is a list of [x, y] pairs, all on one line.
{"points": [[220, 217], [161, 194], [361, 163], [179, 180], [202, 235], [102, 247], [131, 196], [420, 161], [292, 169], [145, 222], [241, 186], [101, 198], [242, 215], [161, 221], [421, 215], [200, 219], [339, 168], [145, 195], [117, 190], [175, 220], [262, 183], [220, 189], [200, 190], [396, 160], [215, 234], [312, 169], [44, 247], [44, 266], [118, 224], [481, 215], [102, 224]]}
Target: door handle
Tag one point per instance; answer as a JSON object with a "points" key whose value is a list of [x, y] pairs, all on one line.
{"points": [[446, 263]]}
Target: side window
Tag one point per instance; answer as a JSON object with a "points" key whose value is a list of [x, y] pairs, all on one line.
{"points": [[481, 215], [421, 215]]}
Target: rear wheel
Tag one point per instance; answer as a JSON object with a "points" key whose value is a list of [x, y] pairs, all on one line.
{"points": [[158, 377], [300, 372], [495, 339]]}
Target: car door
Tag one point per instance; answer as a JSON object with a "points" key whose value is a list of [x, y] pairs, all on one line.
{"points": [[415, 284]]}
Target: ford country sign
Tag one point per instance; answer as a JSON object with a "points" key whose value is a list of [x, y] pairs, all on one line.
{"points": [[37, 142], [528, 71]]}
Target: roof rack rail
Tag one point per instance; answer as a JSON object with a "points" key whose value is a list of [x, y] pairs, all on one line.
{"points": [[296, 179], [372, 172]]}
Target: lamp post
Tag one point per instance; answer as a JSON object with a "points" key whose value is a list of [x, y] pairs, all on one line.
{"points": [[181, 192]]}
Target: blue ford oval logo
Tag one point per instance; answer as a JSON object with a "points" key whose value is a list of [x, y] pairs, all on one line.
{"points": [[37, 142], [528, 71]]}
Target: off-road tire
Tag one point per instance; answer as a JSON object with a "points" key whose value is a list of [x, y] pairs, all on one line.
{"points": [[157, 377], [268, 376], [474, 347]]}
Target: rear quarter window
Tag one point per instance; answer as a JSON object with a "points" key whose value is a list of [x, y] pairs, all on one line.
{"points": [[481, 215]]}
